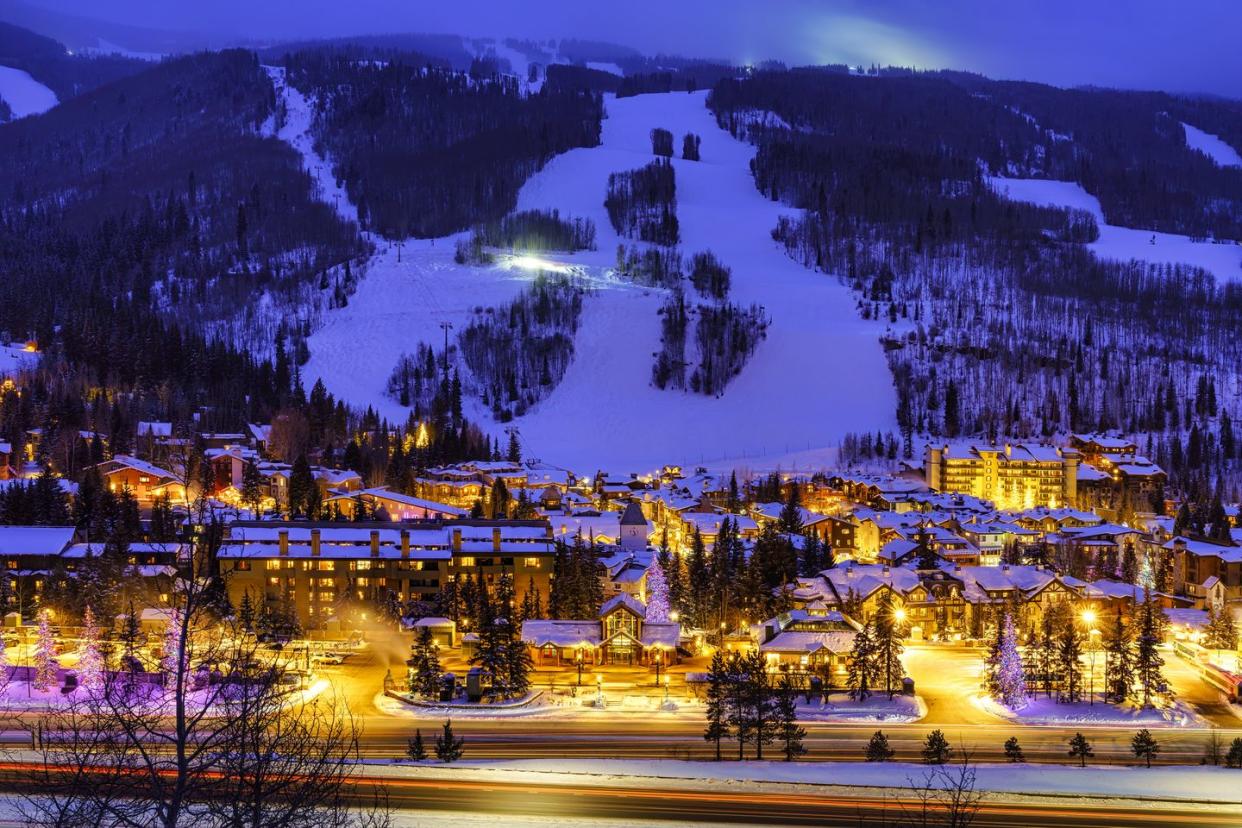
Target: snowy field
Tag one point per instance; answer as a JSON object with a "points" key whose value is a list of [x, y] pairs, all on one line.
{"points": [[820, 372], [1185, 782], [1124, 243], [24, 95]]}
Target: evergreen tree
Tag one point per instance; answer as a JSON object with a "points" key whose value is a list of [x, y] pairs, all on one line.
{"points": [[716, 707], [301, 483], [862, 667], [245, 612], [45, 654], [878, 749], [514, 452], [1013, 751], [1046, 650], [698, 579], [789, 733], [425, 671], [791, 513], [1147, 659], [251, 487], [936, 748], [416, 750], [1080, 749], [1233, 759], [448, 747], [657, 592], [1119, 667], [1144, 746], [759, 702], [887, 646], [1069, 663]]}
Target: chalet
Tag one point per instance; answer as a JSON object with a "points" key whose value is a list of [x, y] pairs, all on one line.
{"points": [[626, 571], [801, 641], [1197, 562], [145, 480], [6, 457], [620, 636], [228, 464]]}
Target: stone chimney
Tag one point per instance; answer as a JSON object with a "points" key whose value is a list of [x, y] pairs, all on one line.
{"points": [[283, 535], [314, 543], [455, 539], [496, 539], [374, 543], [405, 543]]}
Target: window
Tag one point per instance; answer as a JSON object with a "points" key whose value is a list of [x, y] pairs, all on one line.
{"points": [[242, 566], [273, 564], [273, 581], [364, 582], [530, 563], [327, 566], [327, 582], [359, 564], [465, 561]]}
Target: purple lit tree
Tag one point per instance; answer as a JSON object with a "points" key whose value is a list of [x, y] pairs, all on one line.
{"points": [[44, 655], [1010, 678], [90, 665], [172, 643], [657, 593]]}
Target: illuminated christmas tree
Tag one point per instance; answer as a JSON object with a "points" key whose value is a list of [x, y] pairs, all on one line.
{"points": [[44, 655], [90, 665], [1010, 678], [657, 593], [172, 643]]}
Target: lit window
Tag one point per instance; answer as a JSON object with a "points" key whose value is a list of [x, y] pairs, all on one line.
{"points": [[465, 561], [530, 563], [326, 566], [363, 564], [273, 564]]}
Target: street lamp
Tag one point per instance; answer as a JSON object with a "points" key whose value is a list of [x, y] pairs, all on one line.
{"points": [[578, 660], [1088, 618], [659, 657], [666, 678], [723, 626]]}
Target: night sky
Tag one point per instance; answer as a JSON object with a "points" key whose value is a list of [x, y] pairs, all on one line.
{"points": [[1176, 45]]}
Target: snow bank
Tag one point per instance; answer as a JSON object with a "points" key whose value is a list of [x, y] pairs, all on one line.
{"points": [[1185, 782], [14, 359], [1224, 261], [1212, 146], [24, 95], [1043, 711]]}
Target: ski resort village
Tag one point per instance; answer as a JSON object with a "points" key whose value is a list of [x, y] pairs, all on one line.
{"points": [[412, 429]]}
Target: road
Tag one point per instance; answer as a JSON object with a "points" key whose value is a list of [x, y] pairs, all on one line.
{"points": [[947, 677]]}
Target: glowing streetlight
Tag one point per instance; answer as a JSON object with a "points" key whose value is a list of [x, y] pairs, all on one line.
{"points": [[899, 614]]}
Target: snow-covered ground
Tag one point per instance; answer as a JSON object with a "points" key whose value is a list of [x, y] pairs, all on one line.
{"points": [[820, 372], [14, 359], [1212, 146], [24, 95], [1124, 243], [1043, 711], [1185, 783]]}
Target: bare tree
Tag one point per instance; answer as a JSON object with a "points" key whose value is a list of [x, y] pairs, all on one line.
{"points": [[945, 796], [224, 740]]}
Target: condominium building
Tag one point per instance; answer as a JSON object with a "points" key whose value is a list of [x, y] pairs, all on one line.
{"points": [[1013, 476]]}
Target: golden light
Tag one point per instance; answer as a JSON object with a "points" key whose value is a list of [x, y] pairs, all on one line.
{"points": [[31, 347], [422, 439], [1088, 617], [674, 615], [599, 679], [537, 263], [899, 614]]}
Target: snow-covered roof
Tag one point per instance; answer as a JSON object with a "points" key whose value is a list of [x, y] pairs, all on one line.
{"points": [[664, 635], [561, 633], [623, 599], [837, 642], [35, 540], [125, 461], [383, 493]]}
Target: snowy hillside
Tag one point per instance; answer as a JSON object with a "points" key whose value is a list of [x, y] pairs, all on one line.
{"points": [[1212, 146], [1124, 243], [24, 95], [803, 388]]}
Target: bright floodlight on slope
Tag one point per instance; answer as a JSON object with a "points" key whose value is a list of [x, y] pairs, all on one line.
{"points": [[528, 262]]}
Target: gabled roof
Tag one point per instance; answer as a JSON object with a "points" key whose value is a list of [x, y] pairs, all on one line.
{"points": [[633, 515], [626, 601], [35, 540]]}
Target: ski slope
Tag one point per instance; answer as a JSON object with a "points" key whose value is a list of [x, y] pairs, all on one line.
{"points": [[820, 372], [24, 95], [1211, 146], [1124, 243]]}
